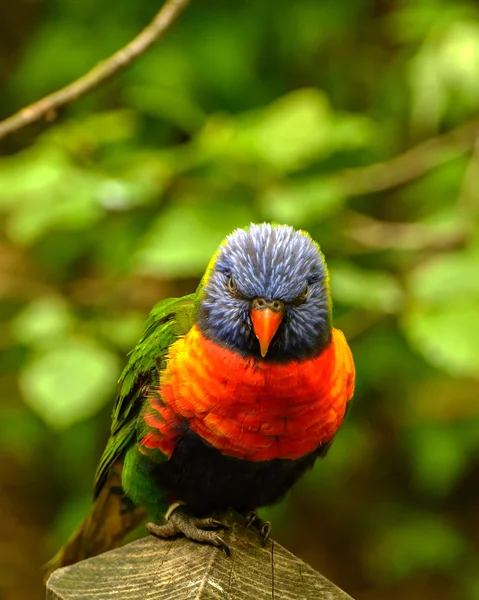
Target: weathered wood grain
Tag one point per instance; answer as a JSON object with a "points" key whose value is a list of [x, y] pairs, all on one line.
{"points": [[183, 570]]}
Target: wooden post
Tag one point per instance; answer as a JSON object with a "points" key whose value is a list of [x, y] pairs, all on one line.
{"points": [[180, 569]]}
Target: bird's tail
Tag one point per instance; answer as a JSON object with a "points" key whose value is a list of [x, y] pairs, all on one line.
{"points": [[111, 517]]}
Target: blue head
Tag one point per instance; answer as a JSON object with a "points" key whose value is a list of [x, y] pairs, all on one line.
{"points": [[268, 267]]}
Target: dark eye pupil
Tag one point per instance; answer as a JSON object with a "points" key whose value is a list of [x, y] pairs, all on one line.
{"points": [[231, 284]]}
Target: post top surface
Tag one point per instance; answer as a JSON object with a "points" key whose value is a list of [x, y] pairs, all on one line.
{"points": [[182, 569]]}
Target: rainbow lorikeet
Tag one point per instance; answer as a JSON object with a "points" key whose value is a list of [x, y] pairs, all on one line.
{"points": [[229, 397]]}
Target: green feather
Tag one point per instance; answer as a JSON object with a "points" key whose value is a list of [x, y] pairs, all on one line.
{"points": [[169, 319]]}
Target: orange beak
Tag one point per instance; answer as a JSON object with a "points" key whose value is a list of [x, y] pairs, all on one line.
{"points": [[265, 325]]}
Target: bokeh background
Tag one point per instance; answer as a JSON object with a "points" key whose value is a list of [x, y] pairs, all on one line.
{"points": [[354, 119]]}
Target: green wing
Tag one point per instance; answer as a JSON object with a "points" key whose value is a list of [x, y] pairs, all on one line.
{"points": [[168, 320]]}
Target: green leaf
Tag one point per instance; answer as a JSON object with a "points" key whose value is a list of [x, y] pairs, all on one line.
{"points": [[123, 330], [443, 321], [101, 128], [184, 237], [83, 137], [448, 336], [41, 190], [64, 208], [353, 131], [42, 321], [364, 288], [445, 279], [167, 103], [289, 133], [300, 202], [444, 71], [28, 173], [69, 382]]}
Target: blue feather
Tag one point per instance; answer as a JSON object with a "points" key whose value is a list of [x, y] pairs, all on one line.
{"points": [[275, 263]]}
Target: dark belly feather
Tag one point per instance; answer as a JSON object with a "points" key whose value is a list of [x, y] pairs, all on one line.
{"points": [[207, 480]]}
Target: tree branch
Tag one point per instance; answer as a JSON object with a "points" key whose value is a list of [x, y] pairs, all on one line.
{"points": [[104, 70], [415, 163], [380, 235], [410, 165], [468, 199]]}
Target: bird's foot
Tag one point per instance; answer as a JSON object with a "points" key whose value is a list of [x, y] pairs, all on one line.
{"points": [[178, 520], [264, 527]]}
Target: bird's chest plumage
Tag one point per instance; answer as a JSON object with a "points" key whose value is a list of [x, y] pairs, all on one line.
{"points": [[247, 408]]}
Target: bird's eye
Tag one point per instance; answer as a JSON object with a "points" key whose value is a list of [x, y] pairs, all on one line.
{"points": [[302, 297], [304, 294], [232, 285]]}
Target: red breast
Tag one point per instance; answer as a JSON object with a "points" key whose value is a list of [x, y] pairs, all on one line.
{"points": [[248, 408]]}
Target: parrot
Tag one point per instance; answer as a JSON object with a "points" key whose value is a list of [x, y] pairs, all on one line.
{"points": [[229, 397]]}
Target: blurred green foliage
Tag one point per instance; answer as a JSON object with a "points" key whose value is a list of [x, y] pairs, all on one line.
{"points": [[246, 112]]}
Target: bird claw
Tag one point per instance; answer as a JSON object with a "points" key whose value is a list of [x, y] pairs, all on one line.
{"points": [[251, 517], [264, 527], [265, 532], [194, 528]]}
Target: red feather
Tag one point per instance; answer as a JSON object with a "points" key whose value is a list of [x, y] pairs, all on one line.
{"points": [[250, 408]]}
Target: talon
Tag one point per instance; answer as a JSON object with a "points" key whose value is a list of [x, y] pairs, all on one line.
{"points": [[224, 546], [220, 524], [265, 532], [250, 518], [209, 522], [264, 527], [199, 530]]}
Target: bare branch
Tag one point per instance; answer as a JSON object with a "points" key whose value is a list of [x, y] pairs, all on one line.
{"points": [[104, 70], [411, 165], [373, 234], [468, 200]]}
